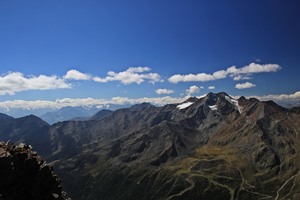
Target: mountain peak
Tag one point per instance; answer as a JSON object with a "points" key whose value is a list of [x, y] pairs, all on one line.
{"points": [[142, 106], [211, 98], [32, 118], [222, 94], [102, 114], [242, 98], [4, 116], [191, 99], [212, 95]]}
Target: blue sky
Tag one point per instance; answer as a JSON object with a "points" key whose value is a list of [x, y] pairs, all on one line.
{"points": [[64, 49]]}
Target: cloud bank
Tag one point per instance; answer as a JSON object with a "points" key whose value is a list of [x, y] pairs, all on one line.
{"points": [[237, 74], [84, 102], [280, 97], [101, 103], [131, 75], [16, 82]]}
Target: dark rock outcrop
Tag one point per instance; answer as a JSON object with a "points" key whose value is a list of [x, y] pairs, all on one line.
{"points": [[24, 175]]}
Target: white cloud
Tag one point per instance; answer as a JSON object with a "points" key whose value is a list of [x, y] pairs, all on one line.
{"points": [[211, 87], [192, 90], [280, 97], [16, 82], [138, 69], [164, 91], [286, 100], [99, 80], [220, 74], [244, 85], [131, 75], [76, 75], [254, 68], [243, 73], [201, 77], [85, 102]]}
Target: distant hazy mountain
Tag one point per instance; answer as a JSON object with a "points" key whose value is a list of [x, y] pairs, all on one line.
{"points": [[52, 114], [97, 116], [68, 113], [214, 147], [289, 104], [19, 112]]}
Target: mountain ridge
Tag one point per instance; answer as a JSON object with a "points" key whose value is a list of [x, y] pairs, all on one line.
{"points": [[213, 143]]}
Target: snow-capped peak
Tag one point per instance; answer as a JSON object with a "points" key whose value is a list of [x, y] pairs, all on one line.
{"points": [[202, 96], [184, 105], [234, 102]]}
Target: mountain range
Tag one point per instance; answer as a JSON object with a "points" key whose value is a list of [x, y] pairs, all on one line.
{"points": [[68, 113], [213, 147], [54, 115]]}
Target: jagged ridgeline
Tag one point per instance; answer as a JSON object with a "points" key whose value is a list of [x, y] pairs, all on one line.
{"points": [[213, 147]]}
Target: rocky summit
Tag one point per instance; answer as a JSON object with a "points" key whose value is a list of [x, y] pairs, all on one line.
{"points": [[213, 147], [24, 175]]}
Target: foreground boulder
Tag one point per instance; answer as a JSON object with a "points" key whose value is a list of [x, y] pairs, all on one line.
{"points": [[25, 175]]}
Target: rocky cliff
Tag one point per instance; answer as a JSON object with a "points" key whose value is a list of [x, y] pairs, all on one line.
{"points": [[24, 175]]}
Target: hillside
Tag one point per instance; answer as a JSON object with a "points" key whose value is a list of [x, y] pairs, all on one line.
{"points": [[214, 147]]}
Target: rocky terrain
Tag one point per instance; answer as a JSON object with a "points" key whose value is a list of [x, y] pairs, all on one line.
{"points": [[214, 147], [25, 175]]}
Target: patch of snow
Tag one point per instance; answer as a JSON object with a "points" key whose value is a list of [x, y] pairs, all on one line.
{"points": [[213, 107], [235, 103], [202, 96], [184, 105]]}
